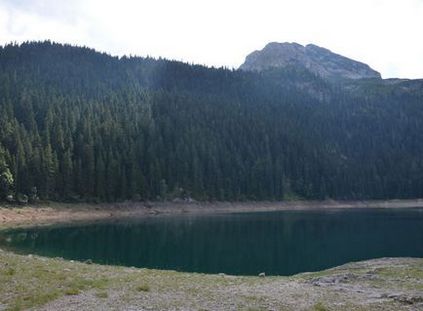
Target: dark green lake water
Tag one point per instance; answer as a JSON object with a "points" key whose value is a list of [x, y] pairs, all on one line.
{"points": [[278, 243]]}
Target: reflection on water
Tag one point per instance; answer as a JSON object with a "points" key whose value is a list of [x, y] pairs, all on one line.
{"points": [[278, 243]]}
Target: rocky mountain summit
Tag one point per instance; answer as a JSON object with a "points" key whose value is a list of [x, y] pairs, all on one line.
{"points": [[319, 61]]}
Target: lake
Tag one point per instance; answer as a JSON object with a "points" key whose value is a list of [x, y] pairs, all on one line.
{"points": [[277, 243]]}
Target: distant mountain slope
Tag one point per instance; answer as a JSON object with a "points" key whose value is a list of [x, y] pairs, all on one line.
{"points": [[318, 60], [76, 124]]}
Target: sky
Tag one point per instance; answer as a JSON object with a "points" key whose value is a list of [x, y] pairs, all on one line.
{"points": [[385, 34]]}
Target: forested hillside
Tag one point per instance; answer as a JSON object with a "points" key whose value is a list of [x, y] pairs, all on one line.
{"points": [[78, 125]]}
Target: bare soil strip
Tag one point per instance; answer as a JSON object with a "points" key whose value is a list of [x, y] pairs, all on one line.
{"points": [[49, 213]]}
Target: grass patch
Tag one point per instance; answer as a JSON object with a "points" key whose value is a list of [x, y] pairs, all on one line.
{"points": [[72, 291], [319, 307], [29, 282], [407, 272], [102, 294], [36, 299], [143, 288], [9, 272]]}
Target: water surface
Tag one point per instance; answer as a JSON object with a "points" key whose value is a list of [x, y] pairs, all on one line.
{"points": [[278, 243]]}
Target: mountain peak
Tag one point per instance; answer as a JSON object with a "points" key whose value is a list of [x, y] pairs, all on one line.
{"points": [[316, 59]]}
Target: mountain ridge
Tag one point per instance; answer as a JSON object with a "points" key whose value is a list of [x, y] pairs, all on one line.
{"points": [[317, 60]]}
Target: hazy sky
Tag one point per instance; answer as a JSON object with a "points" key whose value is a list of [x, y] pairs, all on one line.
{"points": [[386, 34]]}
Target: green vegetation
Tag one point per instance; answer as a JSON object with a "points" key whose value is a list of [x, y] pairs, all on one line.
{"points": [[72, 291], [319, 307], [77, 125], [35, 282], [102, 294], [143, 288]]}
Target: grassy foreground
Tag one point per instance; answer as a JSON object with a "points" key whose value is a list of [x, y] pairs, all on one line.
{"points": [[55, 284]]}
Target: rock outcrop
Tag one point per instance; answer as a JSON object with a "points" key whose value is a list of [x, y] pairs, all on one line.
{"points": [[318, 60]]}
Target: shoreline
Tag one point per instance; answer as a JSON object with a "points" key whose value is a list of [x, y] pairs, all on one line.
{"points": [[42, 283], [61, 213]]}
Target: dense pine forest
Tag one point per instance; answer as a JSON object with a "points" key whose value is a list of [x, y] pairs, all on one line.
{"points": [[78, 125]]}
